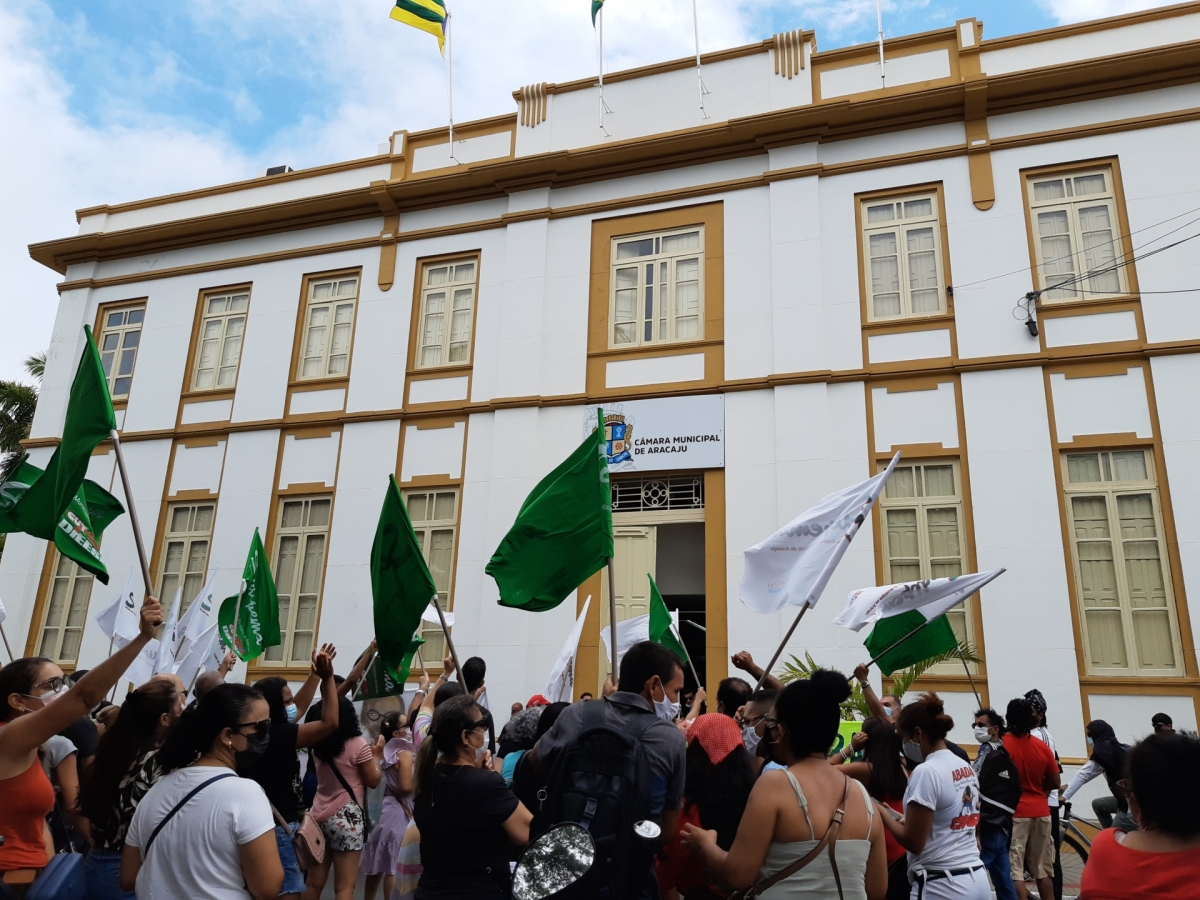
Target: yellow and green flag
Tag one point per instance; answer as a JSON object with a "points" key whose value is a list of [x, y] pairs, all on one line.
{"points": [[428, 15], [596, 4]]}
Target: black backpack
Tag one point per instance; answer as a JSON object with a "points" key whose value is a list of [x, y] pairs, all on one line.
{"points": [[601, 780], [999, 787]]}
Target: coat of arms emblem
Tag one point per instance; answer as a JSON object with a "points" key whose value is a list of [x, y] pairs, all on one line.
{"points": [[618, 435]]}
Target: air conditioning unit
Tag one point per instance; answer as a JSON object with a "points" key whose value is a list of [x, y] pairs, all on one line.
{"points": [[273, 170]]}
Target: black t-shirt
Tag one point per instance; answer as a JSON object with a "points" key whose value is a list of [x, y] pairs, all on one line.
{"points": [[84, 735], [279, 771], [464, 850]]}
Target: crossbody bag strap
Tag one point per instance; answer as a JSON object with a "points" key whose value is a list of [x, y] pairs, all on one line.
{"points": [[834, 827], [341, 778], [178, 806], [279, 820], [789, 871]]}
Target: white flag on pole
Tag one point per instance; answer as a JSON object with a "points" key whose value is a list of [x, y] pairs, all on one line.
{"points": [[3, 614], [145, 666], [562, 676], [792, 566], [194, 622], [170, 639], [629, 632], [119, 620], [868, 605], [430, 615], [200, 655]]}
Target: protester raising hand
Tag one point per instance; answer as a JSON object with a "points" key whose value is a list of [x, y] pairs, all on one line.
{"points": [[37, 704]]}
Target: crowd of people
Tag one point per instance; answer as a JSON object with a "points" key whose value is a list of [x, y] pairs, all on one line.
{"points": [[200, 793]]}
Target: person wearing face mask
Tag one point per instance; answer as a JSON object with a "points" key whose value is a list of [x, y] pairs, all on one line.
{"points": [[941, 809], [469, 819], [125, 767], [1108, 759], [36, 702], [650, 679], [381, 852], [1032, 845], [999, 796], [201, 831], [278, 772], [754, 732], [346, 767]]}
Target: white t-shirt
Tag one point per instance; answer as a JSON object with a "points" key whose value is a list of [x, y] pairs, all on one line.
{"points": [[1044, 736], [948, 786], [196, 853]]}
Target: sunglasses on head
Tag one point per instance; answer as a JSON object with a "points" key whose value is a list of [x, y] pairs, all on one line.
{"points": [[260, 728]]}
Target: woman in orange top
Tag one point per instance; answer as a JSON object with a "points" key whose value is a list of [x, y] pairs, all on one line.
{"points": [[1162, 860], [37, 702]]}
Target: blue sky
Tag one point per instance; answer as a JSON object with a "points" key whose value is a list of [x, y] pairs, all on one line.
{"points": [[115, 100]]}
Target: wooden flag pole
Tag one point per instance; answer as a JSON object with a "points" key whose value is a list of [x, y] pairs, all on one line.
{"points": [[132, 507], [691, 665], [612, 604], [421, 662], [449, 641], [12, 658], [967, 669], [778, 650]]}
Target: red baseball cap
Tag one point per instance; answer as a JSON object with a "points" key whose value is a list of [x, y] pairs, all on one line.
{"points": [[537, 700]]}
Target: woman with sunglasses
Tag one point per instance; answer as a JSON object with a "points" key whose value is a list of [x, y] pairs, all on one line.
{"points": [[202, 832], [37, 702], [469, 819]]}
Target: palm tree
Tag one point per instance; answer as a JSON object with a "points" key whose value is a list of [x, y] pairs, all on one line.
{"points": [[17, 404]]}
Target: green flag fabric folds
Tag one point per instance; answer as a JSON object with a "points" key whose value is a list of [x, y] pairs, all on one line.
{"points": [[401, 586], [77, 536], [379, 683], [661, 631], [562, 534], [933, 640], [257, 613], [90, 420]]}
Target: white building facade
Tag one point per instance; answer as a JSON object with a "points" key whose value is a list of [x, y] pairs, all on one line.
{"points": [[767, 303]]}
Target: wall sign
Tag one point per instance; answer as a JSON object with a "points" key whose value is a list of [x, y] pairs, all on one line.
{"points": [[668, 433]]}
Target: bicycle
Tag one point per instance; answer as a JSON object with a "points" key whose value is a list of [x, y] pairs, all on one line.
{"points": [[1073, 848]]}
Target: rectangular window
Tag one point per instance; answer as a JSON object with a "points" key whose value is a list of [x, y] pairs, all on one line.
{"points": [[902, 252], [434, 516], [300, 546], [185, 553], [657, 288], [66, 612], [328, 327], [1077, 240], [447, 308], [220, 341], [120, 336], [923, 538], [1122, 577]]}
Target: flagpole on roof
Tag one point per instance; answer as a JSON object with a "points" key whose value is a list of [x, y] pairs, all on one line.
{"points": [[879, 21], [699, 75], [603, 106]]}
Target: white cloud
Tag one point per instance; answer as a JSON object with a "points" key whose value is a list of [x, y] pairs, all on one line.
{"points": [[1067, 11]]}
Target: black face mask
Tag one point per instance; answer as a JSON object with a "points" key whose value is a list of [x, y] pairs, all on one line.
{"points": [[256, 747]]}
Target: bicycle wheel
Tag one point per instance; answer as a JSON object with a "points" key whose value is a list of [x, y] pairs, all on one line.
{"points": [[1073, 856]]}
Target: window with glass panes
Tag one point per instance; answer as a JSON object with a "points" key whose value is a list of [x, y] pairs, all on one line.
{"points": [[434, 515], [923, 533], [657, 284], [902, 248], [1076, 237], [185, 552], [328, 327], [1122, 576], [301, 539], [66, 612], [120, 336], [220, 347], [447, 306]]}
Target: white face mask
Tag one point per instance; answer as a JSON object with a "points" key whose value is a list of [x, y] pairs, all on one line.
{"points": [[982, 734], [50, 696], [750, 738], [481, 750], [665, 709]]}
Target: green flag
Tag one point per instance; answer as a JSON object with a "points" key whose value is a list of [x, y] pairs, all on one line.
{"points": [[933, 640], [89, 421], [258, 612], [563, 532], [378, 683], [401, 586], [661, 631], [77, 537]]}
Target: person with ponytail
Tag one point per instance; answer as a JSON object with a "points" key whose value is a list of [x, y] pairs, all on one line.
{"points": [[200, 831], [462, 804], [941, 809], [124, 768], [36, 702], [381, 853], [808, 808]]}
